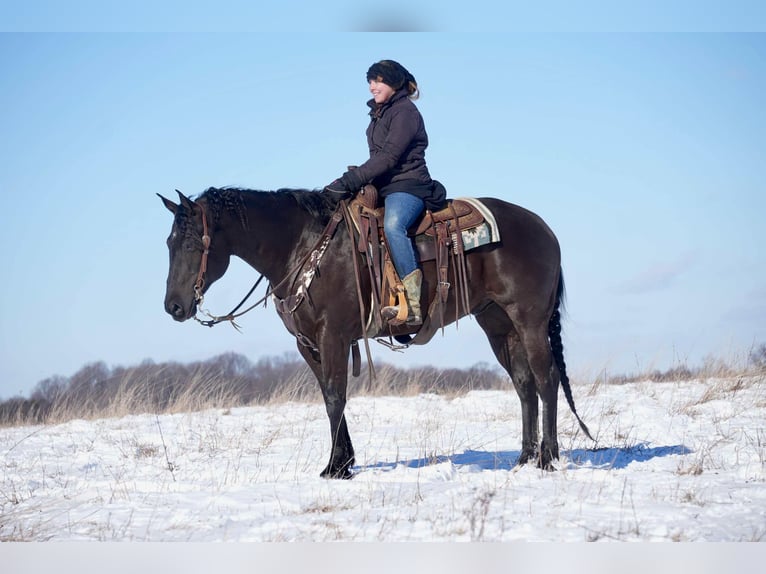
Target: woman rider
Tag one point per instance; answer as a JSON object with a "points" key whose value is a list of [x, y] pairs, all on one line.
{"points": [[397, 140]]}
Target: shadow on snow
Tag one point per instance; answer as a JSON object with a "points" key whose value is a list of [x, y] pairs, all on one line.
{"points": [[607, 458]]}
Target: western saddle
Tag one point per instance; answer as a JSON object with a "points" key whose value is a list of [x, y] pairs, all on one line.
{"points": [[438, 237]]}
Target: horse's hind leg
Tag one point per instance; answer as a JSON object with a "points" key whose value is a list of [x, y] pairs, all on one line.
{"points": [[546, 376], [511, 355]]}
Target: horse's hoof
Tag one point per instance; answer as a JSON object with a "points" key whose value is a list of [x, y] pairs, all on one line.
{"points": [[527, 456], [546, 462], [343, 474], [548, 466]]}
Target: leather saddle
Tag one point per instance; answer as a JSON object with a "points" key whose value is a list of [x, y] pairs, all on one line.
{"points": [[438, 237], [449, 222]]}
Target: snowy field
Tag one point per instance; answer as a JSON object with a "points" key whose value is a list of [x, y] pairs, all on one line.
{"points": [[681, 461]]}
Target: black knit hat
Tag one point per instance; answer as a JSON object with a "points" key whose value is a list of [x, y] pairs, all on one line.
{"points": [[392, 73]]}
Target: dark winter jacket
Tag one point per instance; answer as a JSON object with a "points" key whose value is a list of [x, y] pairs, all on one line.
{"points": [[397, 140]]}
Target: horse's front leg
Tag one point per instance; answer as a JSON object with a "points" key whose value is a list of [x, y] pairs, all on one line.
{"points": [[330, 365]]}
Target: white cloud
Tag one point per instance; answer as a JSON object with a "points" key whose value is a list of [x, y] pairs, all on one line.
{"points": [[658, 276]]}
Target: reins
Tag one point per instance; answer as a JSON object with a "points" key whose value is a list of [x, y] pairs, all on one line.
{"points": [[230, 316], [200, 283], [199, 298], [360, 298]]}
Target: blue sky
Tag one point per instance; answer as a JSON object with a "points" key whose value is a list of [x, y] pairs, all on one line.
{"points": [[644, 152]]}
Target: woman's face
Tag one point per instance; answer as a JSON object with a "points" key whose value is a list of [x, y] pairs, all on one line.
{"points": [[381, 92]]}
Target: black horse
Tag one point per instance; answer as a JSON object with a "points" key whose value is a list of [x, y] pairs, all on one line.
{"points": [[515, 290]]}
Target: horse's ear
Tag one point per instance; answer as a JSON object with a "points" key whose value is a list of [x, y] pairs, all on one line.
{"points": [[173, 207], [186, 202]]}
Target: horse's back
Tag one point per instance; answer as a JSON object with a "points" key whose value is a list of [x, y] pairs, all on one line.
{"points": [[523, 231], [521, 271]]}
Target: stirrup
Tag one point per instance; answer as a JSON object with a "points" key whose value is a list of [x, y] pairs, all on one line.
{"points": [[397, 314], [389, 315]]}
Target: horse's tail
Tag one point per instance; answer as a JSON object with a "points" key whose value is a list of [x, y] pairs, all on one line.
{"points": [[557, 347]]}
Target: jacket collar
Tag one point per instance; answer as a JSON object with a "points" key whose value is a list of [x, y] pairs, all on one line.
{"points": [[376, 110]]}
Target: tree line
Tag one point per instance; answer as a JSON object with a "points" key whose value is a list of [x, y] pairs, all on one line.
{"points": [[232, 380], [225, 381]]}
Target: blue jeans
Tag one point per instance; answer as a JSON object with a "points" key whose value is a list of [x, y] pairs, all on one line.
{"points": [[402, 210]]}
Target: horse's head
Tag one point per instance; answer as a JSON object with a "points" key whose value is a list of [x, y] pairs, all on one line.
{"points": [[196, 261]]}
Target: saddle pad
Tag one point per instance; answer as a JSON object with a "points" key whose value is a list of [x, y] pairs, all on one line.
{"points": [[489, 218], [475, 237], [472, 238]]}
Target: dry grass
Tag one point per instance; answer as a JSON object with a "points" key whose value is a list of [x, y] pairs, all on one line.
{"points": [[748, 364], [170, 389], [214, 384]]}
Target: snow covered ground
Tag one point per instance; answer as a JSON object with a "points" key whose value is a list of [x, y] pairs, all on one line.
{"points": [[680, 461]]}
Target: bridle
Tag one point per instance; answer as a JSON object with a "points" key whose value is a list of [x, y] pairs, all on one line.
{"points": [[286, 307], [314, 255], [200, 283]]}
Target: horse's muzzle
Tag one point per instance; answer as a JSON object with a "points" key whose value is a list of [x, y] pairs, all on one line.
{"points": [[178, 311]]}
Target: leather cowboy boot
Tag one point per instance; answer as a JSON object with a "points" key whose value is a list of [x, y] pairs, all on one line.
{"points": [[412, 283]]}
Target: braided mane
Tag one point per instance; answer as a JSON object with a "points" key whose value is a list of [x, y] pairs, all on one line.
{"points": [[233, 200]]}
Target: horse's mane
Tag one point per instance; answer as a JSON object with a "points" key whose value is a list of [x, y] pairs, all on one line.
{"points": [[317, 204]]}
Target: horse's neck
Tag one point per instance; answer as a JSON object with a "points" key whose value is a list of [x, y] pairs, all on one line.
{"points": [[273, 232]]}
